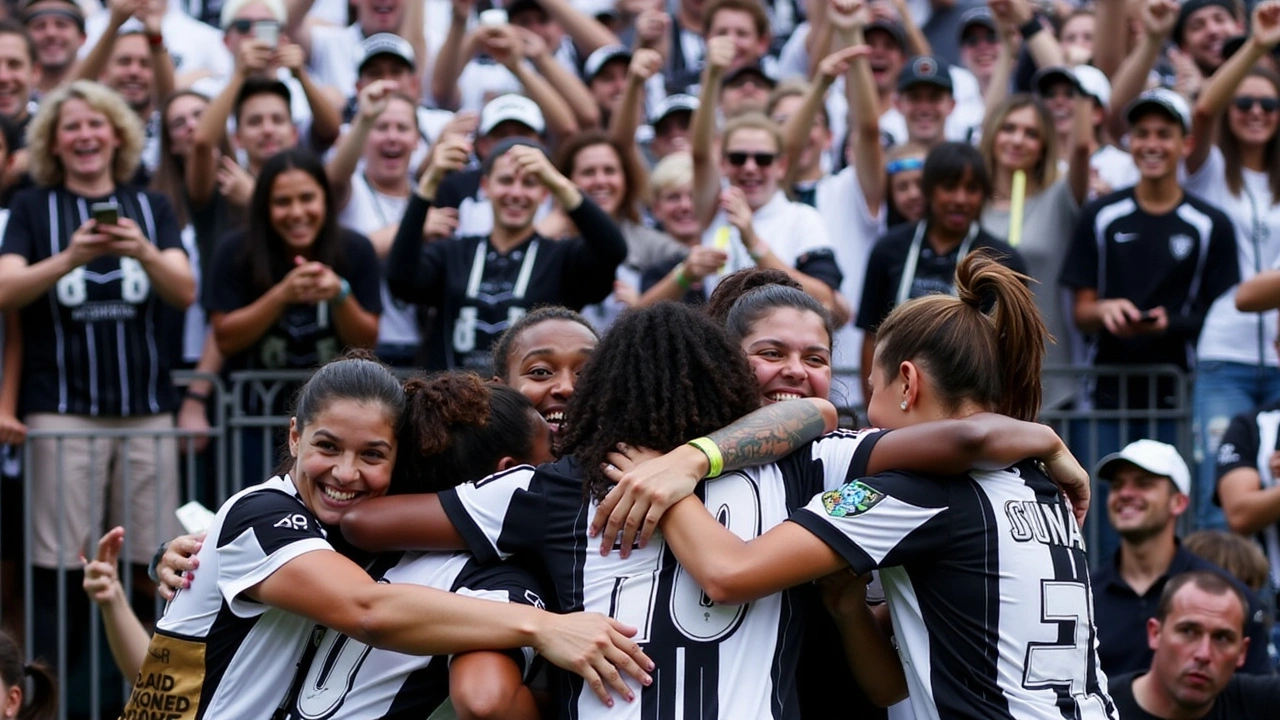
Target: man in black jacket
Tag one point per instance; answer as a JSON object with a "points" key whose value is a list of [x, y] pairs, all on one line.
{"points": [[481, 284]]}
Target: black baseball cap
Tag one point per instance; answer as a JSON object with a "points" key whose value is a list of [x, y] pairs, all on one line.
{"points": [[925, 70], [894, 29], [977, 16], [603, 56]]}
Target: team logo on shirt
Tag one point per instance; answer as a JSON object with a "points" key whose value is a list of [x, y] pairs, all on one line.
{"points": [[853, 499], [1180, 246], [1227, 454]]}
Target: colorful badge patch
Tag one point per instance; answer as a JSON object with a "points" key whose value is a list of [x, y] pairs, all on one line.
{"points": [[854, 498]]}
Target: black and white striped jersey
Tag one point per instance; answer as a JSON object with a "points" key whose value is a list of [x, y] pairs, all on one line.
{"points": [[217, 653], [988, 584], [714, 661], [344, 678], [92, 343]]}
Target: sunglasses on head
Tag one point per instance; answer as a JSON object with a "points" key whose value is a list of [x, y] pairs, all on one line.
{"points": [[738, 159], [1245, 103]]}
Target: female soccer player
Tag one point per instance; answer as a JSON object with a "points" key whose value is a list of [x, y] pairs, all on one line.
{"points": [[674, 372], [228, 647], [540, 356], [985, 574]]}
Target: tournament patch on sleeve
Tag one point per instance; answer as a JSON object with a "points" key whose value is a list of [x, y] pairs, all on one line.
{"points": [[851, 499]]}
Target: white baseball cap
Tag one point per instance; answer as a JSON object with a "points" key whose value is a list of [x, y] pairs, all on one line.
{"points": [[513, 107], [1168, 101], [1094, 83], [1152, 456]]}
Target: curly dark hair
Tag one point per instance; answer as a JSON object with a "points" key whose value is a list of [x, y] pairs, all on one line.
{"points": [[735, 285], [456, 428], [506, 341], [661, 376]]}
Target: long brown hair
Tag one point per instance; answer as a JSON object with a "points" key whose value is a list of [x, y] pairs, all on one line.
{"points": [[1046, 170], [1231, 151], [634, 176], [986, 344]]}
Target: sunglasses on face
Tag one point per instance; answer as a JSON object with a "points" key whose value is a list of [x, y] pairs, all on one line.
{"points": [[1245, 103], [975, 39], [243, 26], [738, 159]]}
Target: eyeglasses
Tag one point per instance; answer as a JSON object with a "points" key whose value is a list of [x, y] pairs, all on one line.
{"points": [[1245, 103], [738, 159]]}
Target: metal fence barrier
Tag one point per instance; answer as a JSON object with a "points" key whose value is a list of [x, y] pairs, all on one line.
{"points": [[247, 422]]}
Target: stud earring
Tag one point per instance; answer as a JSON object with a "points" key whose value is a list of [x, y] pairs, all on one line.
{"points": [[903, 406]]}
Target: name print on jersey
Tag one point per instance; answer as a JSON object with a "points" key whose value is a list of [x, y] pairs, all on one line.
{"points": [[1046, 523]]}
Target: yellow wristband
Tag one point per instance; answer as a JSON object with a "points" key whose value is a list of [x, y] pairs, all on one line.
{"points": [[712, 451]]}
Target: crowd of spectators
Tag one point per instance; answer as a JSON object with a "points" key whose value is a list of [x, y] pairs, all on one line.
{"points": [[227, 185]]}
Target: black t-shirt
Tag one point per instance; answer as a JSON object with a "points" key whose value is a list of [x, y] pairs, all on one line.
{"points": [[304, 336], [934, 273], [1246, 697], [93, 342], [1181, 261]]}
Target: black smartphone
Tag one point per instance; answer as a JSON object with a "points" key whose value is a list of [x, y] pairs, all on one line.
{"points": [[1147, 317], [106, 213]]}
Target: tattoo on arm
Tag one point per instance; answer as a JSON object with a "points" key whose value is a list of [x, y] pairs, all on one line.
{"points": [[768, 434]]}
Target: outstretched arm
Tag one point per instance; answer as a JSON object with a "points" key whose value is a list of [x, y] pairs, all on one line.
{"points": [[401, 522], [333, 591], [1217, 92], [985, 441], [644, 494], [732, 571]]}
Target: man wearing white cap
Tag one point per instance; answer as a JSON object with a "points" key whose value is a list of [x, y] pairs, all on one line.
{"points": [[1148, 486], [460, 194]]}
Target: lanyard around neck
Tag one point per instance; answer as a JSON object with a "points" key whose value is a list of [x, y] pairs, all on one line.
{"points": [[913, 259]]}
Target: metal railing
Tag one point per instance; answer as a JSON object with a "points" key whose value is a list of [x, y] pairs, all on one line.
{"points": [[246, 425]]}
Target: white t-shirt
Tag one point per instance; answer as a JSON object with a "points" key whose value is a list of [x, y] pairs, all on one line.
{"points": [[369, 210], [853, 229], [1114, 166], [192, 45], [1230, 335], [335, 52], [791, 229]]}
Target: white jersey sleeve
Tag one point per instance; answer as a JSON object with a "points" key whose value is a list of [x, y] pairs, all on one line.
{"points": [[259, 534], [843, 455], [880, 521], [497, 515]]}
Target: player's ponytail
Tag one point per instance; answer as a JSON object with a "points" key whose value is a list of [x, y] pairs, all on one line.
{"points": [[1019, 332], [986, 344]]}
